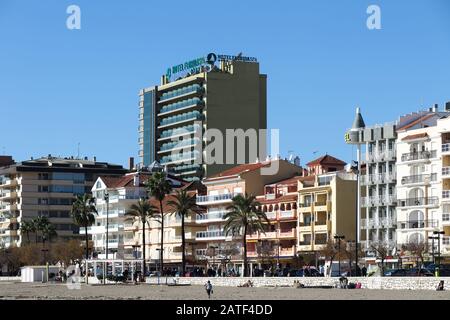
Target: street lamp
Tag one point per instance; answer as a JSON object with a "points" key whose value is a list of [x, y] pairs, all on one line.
{"points": [[339, 238], [354, 167], [214, 254], [439, 246], [432, 247], [106, 198]]}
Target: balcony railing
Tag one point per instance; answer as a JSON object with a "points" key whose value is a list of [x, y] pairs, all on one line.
{"points": [[211, 216], [210, 234], [271, 215], [320, 241], [287, 214], [420, 178], [418, 224], [180, 105], [422, 201], [422, 155], [214, 198], [180, 92]]}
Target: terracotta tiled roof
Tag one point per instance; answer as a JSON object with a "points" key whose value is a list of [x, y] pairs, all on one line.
{"points": [[423, 118], [415, 136], [235, 171], [293, 180], [326, 159], [285, 198]]}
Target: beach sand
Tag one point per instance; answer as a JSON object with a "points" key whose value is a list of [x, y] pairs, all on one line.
{"points": [[37, 291]]}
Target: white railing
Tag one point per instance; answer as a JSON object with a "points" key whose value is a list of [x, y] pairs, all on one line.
{"points": [[215, 215], [271, 215], [219, 197], [287, 214], [210, 234]]}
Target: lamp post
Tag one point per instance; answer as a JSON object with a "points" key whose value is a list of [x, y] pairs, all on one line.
{"points": [[439, 247], [339, 238], [432, 247], [354, 167], [106, 198], [214, 254]]}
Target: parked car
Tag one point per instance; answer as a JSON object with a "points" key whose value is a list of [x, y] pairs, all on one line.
{"points": [[301, 272], [414, 272], [396, 273], [444, 269]]}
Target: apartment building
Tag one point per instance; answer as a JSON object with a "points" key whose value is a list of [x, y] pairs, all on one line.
{"points": [[278, 244], [326, 206], [172, 247], [213, 245], [45, 187], [192, 98], [423, 179], [113, 197]]}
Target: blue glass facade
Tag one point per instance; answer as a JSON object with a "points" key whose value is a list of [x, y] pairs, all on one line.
{"points": [[149, 127]]}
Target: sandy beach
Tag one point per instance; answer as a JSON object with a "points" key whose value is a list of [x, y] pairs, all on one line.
{"points": [[38, 291]]}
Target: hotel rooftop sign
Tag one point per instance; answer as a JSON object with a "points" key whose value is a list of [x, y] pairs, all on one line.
{"points": [[203, 64]]}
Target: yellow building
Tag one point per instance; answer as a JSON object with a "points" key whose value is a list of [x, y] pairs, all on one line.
{"points": [[326, 207]]}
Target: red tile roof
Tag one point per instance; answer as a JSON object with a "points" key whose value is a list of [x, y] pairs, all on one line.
{"points": [[423, 118], [285, 198], [235, 171], [415, 136], [293, 180], [326, 159]]}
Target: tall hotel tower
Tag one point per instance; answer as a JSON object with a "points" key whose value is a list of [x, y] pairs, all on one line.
{"points": [[213, 92]]}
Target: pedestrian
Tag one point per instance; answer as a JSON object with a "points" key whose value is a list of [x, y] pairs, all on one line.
{"points": [[440, 287], [209, 289], [364, 271], [321, 270]]}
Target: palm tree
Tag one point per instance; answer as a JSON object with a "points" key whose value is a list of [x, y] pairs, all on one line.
{"points": [[144, 211], [40, 224], [27, 227], [184, 205], [48, 231], [244, 218], [159, 187], [83, 214]]}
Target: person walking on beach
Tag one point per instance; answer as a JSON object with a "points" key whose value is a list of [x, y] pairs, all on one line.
{"points": [[209, 289], [364, 271]]}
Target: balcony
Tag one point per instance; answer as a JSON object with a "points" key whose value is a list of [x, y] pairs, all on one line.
{"points": [[178, 132], [419, 202], [268, 235], [289, 214], [419, 224], [419, 179], [184, 144], [419, 156], [305, 245], [212, 199], [322, 205], [381, 200], [180, 106], [287, 234], [211, 216], [209, 235], [287, 252], [179, 158], [271, 215], [305, 207], [179, 93], [178, 119]]}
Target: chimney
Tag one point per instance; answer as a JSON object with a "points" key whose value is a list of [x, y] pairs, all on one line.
{"points": [[136, 180], [95, 159], [447, 106], [131, 163], [436, 107]]}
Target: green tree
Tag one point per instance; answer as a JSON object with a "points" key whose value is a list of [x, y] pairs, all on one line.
{"points": [[83, 214], [244, 218], [27, 227], [184, 205], [48, 232], [159, 187], [143, 211]]}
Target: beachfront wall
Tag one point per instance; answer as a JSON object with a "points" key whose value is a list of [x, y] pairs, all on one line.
{"points": [[408, 283]]}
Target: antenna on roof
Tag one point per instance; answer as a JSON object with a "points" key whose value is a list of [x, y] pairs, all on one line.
{"points": [[78, 154]]}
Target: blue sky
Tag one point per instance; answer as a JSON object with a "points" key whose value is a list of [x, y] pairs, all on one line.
{"points": [[61, 87]]}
